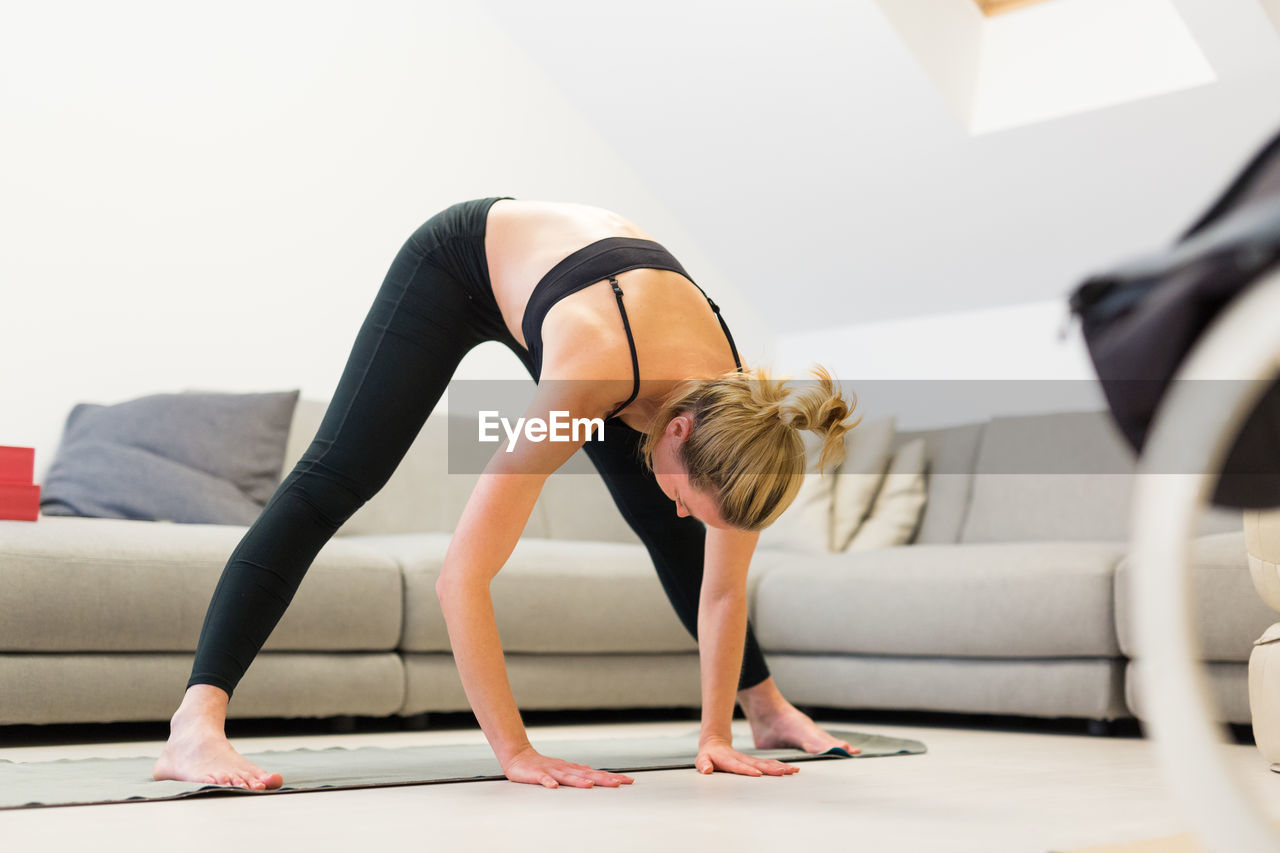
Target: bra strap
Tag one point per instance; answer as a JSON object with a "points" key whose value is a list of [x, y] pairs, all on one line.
{"points": [[631, 341], [723, 325]]}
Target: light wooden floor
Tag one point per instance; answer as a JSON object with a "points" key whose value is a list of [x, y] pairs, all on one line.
{"points": [[976, 790]]}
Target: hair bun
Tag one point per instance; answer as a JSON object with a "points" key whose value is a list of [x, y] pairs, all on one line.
{"points": [[820, 407]]}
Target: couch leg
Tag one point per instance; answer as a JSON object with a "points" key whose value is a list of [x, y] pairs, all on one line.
{"points": [[343, 725], [1100, 728], [417, 722]]}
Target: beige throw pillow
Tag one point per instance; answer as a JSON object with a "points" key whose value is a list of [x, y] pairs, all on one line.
{"points": [[805, 525], [868, 447], [899, 504]]}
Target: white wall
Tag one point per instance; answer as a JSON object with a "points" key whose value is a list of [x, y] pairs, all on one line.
{"points": [[200, 198], [954, 368]]}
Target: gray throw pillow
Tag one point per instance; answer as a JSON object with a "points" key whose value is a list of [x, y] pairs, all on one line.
{"points": [[192, 457]]}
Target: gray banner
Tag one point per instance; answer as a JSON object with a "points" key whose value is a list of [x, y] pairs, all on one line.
{"points": [[1027, 427]]}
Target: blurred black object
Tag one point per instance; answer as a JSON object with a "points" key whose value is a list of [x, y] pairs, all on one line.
{"points": [[1141, 320]]}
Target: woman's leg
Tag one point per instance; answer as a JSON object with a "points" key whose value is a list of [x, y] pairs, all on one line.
{"points": [[675, 543], [404, 355], [421, 324]]}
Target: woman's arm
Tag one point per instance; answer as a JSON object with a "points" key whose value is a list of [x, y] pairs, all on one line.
{"points": [[722, 631], [491, 524], [722, 625]]}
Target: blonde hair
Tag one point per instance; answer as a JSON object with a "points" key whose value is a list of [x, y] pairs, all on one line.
{"points": [[745, 446]]}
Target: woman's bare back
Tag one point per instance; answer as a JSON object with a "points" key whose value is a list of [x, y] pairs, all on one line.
{"points": [[525, 239], [676, 333]]}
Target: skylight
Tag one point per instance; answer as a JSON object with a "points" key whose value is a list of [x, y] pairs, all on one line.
{"points": [[1044, 59], [996, 7]]}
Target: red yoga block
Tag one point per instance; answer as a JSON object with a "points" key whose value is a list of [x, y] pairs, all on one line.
{"points": [[19, 501], [17, 464]]}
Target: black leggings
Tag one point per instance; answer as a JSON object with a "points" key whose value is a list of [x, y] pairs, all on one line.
{"points": [[434, 306]]}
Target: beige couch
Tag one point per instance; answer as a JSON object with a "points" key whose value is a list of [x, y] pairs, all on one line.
{"points": [[1006, 602]]}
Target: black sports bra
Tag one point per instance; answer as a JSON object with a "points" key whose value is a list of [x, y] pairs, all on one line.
{"points": [[597, 261]]}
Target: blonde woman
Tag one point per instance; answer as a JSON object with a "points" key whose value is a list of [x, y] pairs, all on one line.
{"points": [[697, 465]]}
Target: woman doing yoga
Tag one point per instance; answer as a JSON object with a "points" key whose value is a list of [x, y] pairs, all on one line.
{"points": [[698, 464]]}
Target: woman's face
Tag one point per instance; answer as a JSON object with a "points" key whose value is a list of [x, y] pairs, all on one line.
{"points": [[673, 479]]}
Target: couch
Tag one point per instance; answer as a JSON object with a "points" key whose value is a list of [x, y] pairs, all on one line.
{"points": [[1012, 598]]}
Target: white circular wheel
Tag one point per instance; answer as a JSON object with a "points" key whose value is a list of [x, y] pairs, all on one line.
{"points": [[1243, 343]]}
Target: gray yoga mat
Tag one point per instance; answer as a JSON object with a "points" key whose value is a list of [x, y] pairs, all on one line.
{"points": [[89, 781]]}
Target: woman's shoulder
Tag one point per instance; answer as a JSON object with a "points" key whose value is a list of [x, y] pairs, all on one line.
{"points": [[595, 377], [568, 217]]}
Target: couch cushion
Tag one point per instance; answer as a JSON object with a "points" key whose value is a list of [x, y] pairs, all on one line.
{"points": [[805, 525], [46, 688], [1009, 600], [551, 596], [1227, 684], [86, 688], [1229, 613], [1061, 687], [561, 681], [1065, 476], [96, 584], [896, 513], [868, 448], [950, 453], [191, 457]]}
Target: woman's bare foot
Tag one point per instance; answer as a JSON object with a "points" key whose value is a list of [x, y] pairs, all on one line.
{"points": [[198, 749], [794, 728], [777, 724]]}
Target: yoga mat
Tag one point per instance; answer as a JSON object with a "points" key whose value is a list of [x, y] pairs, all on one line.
{"points": [[92, 781]]}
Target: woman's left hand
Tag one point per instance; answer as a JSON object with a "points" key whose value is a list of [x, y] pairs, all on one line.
{"points": [[720, 755]]}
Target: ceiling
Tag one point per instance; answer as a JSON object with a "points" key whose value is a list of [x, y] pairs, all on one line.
{"points": [[818, 164]]}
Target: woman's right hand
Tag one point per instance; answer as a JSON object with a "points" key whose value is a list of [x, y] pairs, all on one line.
{"points": [[534, 768]]}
